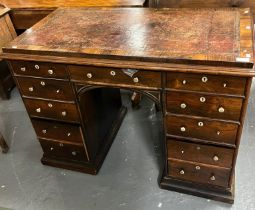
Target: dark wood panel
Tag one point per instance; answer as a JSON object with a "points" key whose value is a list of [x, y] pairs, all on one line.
{"points": [[206, 83], [195, 172], [53, 110], [204, 105], [63, 151], [218, 156], [45, 88], [58, 131], [38, 69], [209, 130], [114, 76]]}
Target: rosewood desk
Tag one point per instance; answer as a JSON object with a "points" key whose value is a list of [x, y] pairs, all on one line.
{"points": [[198, 70]]}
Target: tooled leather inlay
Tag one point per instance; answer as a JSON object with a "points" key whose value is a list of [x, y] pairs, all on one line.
{"points": [[138, 32]]}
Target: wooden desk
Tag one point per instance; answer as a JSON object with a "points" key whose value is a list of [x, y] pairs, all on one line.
{"points": [[198, 70], [26, 13]]}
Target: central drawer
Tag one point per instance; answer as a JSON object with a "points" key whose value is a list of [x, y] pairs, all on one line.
{"points": [[58, 131], [52, 110], [203, 105], [206, 154], [114, 76], [46, 88]]}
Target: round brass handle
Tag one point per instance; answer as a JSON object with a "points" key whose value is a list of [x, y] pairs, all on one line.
{"points": [[63, 113], [57, 91], [61, 145], [42, 83], [44, 131], [38, 110], [221, 109], [183, 105], [183, 129], [113, 73], [50, 71], [212, 178], [218, 133], [182, 151], [184, 82], [51, 148], [224, 85], [50, 105], [204, 79], [202, 99], [74, 153], [182, 172], [200, 124], [215, 158], [136, 79], [89, 75], [23, 68], [37, 67], [68, 134], [197, 167], [31, 89], [198, 147]]}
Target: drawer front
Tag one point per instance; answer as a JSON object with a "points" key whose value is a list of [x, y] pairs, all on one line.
{"points": [[52, 110], [204, 105], [199, 173], [206, 83], [134, 78], [43, 88], [206, 154], [58, 131], [209, 130], [63, 150], [38, 69]]}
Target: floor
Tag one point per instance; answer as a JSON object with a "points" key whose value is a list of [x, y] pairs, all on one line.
{"points": [[127, 179]]}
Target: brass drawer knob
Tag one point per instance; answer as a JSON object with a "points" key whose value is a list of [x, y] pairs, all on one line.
{"points": [[202, 99], [23, 69], [51, 148], [89, 75], [50, 105], [215, 158], [183, 129], [218, 133], [68, 134], [212, 178], [200, 124], [74, 153], [31, 89], [37, 67], [42, 83], [50, 71], [184, 82], [61, 145], [113, 73], [197, 167], [182, 172], [44, 131], [221, 110], [38, 110], [182, 151], [198, 147], [224, 85], [136, 79], [63, 113], [204, 79], [183, 105], [57, 91]]}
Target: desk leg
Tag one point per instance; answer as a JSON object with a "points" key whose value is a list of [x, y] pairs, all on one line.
{"points": [[3, 144]]}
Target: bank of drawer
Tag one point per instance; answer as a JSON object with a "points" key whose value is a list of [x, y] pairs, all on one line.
{"points": [[63, 150], [204, 105], [200, 173], [38, 69], [46, 88], [209, 130], [136, 78], [206, 83], [58, 131], [207, 154], [52, 110]]}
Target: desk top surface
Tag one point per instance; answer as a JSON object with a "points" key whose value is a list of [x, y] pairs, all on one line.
{"points": [[197, 36], [53, 4]]}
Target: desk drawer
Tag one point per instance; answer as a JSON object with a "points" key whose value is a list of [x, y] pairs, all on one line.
{"points": [[206, 83], [58, 131], [38, 69], [134, 78], [200, 173], [204, 105], [63, 150], [211, 130], [206, 154], [52, 110], [46, 88]]}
